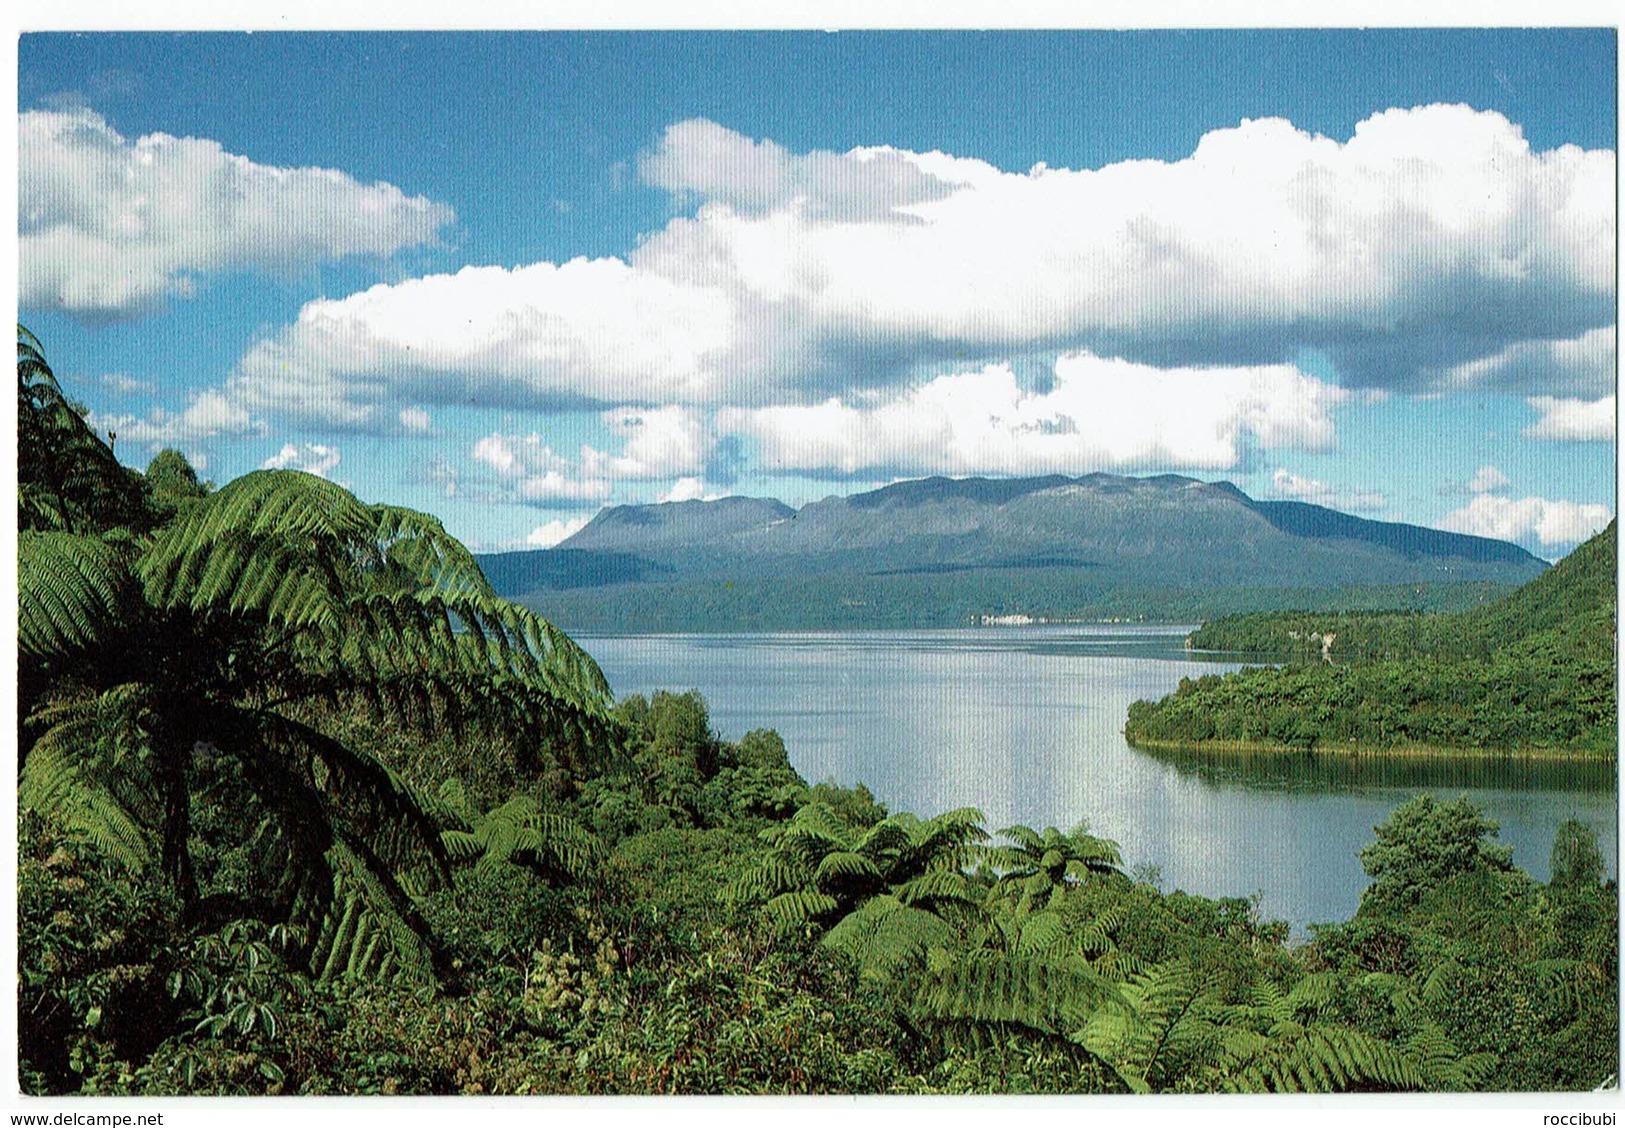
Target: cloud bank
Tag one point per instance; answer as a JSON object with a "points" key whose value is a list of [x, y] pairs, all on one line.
{"points": [[109, 228], [1531, 521], [1573, 419], [1295, 487], [1099, 413], [1434, 249], [312, 458]]}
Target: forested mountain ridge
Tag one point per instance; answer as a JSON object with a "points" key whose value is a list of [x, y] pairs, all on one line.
{"points": [[1535, 671], [937, 551]]}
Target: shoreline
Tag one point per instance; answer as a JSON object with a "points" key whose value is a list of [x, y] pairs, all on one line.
{"points": [[1220, 748]]}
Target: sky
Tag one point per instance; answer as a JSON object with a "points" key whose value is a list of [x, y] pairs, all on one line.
{"points": [[511, 278]]}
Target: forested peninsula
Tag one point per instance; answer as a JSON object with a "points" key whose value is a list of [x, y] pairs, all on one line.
{"points": [[1533, 673], [306, 808]]}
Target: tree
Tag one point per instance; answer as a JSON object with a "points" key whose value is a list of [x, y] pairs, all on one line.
{"points": [[1576, 860], [172, 485], [67, 478], [1423, 844], [215, 657]]}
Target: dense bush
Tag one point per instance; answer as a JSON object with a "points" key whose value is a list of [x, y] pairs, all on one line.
{"points": [[1532, 671]]}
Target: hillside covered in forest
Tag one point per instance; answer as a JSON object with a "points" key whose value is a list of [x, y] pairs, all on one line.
{"points": [[1533, 672]]}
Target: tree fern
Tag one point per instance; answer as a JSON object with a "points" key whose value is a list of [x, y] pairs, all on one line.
{"points": [[519, 833], [89, 770], [1288, 1041], [1318, 1059], [1035, 868], [885, 935], [1159, 1025], [67, 478], [278, 592]]}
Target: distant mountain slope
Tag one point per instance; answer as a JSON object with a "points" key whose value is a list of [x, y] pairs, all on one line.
{"points": [[677, 524], [1304, 520], [1061, 543]]}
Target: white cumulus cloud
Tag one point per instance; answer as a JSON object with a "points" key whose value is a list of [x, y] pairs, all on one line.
{"points": [[1530, 521], [529, 470], [1296, 487], [1488, 479], [556, 530], [656, 443], [1099, 414], [110, 227], [587, 332], [210, 414], [414, 419], [1576, 419], [687, 489], [312, 458]]}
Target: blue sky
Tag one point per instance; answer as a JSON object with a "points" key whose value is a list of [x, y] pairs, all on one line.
{"points": [[510, 278]]}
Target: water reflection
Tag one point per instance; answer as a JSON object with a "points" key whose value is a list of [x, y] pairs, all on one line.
{"points": [[1321, 771]]}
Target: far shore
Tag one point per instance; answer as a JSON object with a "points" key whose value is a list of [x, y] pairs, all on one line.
{"points": [[1349, 750]]}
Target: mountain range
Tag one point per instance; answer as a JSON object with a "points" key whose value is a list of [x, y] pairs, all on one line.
{"points": [[942, 551]]}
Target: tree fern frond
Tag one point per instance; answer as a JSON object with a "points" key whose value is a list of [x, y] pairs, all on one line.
{"points": [[1562, 982], [1313, 995], [1042, 934], [80, 773], [815, 829], [73, 591], [844, 864], [1324, 1059], [1440, 981], [358, 930], [1169, 1029], [884, 935], [770, 875], [1025, 838], [418, 544], [799, 906], [520, 833], [359, 794], [938, 888], [1048, 997]]}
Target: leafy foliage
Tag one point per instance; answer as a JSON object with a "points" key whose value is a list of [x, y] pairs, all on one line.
{"points": [[518, 832], [67, 478], [1040, 866], [1423, 844]]}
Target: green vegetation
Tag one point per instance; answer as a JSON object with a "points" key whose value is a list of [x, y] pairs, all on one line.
{"points": [[1533, 672], [304, 808]]}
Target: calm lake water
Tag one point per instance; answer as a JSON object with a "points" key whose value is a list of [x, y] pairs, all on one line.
{"points": [[1026, 723]]}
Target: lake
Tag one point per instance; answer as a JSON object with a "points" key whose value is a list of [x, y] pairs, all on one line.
{"points": [[1026, 724]]}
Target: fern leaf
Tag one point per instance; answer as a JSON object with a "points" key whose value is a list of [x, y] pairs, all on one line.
{"points": [[799, 906]]}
